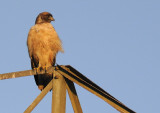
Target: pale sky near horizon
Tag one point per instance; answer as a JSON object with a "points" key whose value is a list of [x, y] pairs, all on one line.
{"points": [[114, 43]]}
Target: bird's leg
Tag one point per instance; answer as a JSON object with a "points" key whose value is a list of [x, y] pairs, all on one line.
{"points": [[45, 68], [38, 69]]}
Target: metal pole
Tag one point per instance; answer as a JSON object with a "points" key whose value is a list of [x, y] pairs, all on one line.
{"points": [[58, 93]]}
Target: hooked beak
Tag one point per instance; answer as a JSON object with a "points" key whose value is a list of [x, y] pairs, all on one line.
{"points": [[51, 18]]}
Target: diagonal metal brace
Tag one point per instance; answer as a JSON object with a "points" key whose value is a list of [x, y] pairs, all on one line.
{"points": [[84, 82], [39, 97]]}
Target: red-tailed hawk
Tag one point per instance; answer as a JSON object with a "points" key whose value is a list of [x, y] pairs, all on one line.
{"points": [[43, 45]]}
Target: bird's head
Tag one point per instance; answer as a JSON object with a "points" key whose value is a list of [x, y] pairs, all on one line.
{"points": [[44, 17]]}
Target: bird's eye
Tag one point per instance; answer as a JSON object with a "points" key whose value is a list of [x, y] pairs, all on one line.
{"points": [[48, 16]]}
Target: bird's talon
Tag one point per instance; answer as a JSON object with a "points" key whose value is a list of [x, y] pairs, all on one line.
{"points": [[44, 68], [37, 70]]}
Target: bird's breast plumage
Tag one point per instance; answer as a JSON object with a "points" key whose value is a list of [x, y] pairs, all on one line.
{"points": [[44, 43]]}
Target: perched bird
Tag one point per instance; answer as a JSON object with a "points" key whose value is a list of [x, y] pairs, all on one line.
{"points": [[43, 45]]}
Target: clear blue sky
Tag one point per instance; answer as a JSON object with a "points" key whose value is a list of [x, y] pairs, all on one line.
{"points": [[115, 43]]}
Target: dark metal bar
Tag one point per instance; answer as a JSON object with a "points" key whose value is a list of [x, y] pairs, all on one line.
{"points": [[83, 78], [73, 96], [94, 89]]}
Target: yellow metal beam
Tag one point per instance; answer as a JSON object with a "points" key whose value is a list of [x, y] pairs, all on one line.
{"points": [[24, 73]]}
